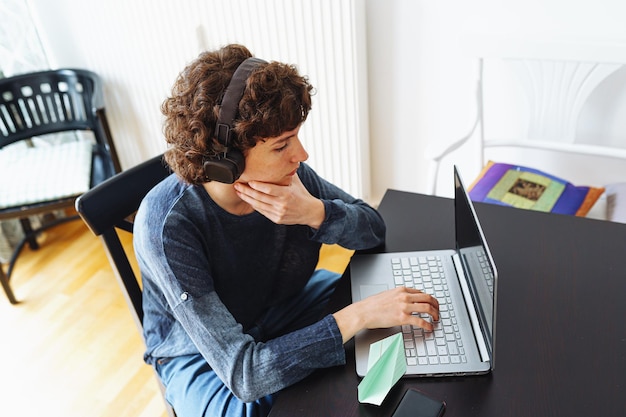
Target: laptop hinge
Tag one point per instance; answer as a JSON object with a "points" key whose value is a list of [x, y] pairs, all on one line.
{"points": [[482, 347]]}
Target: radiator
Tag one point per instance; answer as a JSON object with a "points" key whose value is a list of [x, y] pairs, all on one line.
{"points": [[139, 47]]}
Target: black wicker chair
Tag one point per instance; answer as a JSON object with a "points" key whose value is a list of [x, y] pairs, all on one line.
{"points": [[41, 173]]}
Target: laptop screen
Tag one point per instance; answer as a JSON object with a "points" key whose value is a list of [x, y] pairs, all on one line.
{"points": [[476, 259]]}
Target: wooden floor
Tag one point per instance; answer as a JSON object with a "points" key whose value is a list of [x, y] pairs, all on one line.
{"points": [[70, 347]]}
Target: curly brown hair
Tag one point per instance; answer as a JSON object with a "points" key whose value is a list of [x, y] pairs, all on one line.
{"points": [[276, 99]]}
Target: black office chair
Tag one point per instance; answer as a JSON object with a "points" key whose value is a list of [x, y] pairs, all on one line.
{"points": [[108, 210], [44, 174]]}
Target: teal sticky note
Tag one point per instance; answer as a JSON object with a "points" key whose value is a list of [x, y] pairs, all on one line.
{"points": [[386, 365]]}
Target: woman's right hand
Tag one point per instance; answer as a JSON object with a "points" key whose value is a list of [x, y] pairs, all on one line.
{"points": [[389, 308]]}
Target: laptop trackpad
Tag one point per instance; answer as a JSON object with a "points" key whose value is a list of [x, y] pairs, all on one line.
{"points": [[367, 290]]}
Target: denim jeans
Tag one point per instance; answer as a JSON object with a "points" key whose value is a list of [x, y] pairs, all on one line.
{"points": [[194, 390]]}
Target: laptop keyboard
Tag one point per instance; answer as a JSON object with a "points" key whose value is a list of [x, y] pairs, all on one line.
{"points": [[443, 345], [487, 273]]}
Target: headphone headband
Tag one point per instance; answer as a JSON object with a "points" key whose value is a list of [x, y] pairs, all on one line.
{"points": [[232, 97]]}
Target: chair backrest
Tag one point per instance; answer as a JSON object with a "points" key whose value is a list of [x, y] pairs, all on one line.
{"points": [[108, 208], [561, 116], [53, 101]]}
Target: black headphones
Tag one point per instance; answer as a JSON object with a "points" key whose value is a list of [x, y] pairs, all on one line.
{"points": [[226, 167]]}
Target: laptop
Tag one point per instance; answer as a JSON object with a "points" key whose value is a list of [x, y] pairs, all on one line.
{"points": [[464, 281]]}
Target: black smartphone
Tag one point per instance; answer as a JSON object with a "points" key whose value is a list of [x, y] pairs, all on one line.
{"points": [[417, 404]]}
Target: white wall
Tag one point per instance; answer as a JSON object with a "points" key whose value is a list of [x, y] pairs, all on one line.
{"points": [[418, 87], [421, 69]]}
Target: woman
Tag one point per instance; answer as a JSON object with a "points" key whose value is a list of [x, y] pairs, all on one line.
{"points": [[232, 301]]}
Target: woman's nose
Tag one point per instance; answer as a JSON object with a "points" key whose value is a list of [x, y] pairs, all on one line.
{"points": [[300, 154]]}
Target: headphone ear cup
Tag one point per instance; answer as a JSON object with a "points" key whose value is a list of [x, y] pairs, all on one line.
{"points": [[226, 168]]}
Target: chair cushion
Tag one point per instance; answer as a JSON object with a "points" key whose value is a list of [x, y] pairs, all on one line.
{"points": [[529, 188], [44, 172]]}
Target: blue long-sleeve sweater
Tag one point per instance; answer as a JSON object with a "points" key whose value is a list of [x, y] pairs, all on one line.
{"points": [[208, 275]]}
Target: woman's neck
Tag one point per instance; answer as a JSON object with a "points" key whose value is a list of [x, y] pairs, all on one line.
{"points": [[225, 196]]}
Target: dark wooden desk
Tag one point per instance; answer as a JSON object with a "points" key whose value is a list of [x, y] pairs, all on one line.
{"points": [[561, 325]]}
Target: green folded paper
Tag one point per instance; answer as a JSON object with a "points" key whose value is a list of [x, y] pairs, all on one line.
{"points": [[386, 364]]}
